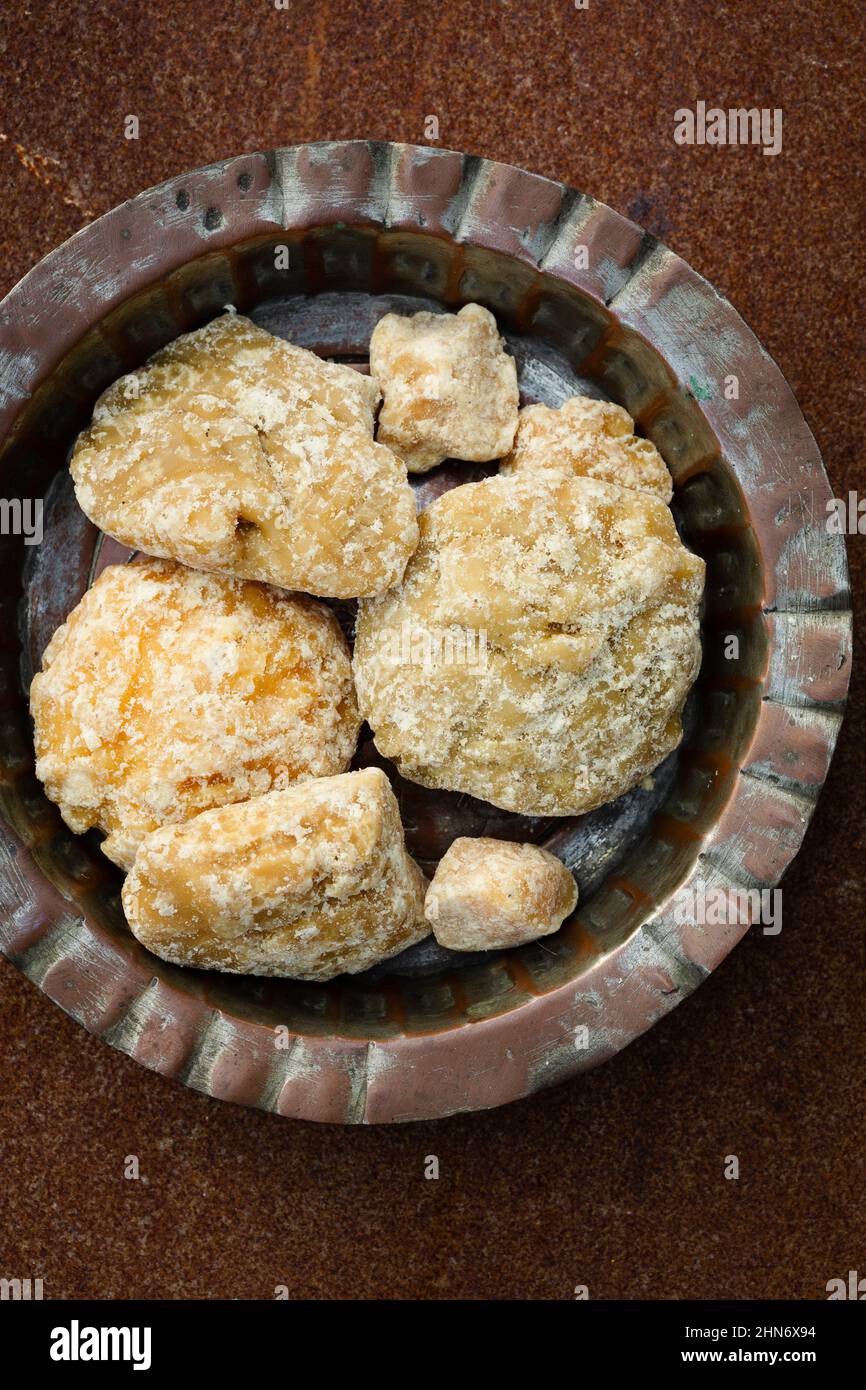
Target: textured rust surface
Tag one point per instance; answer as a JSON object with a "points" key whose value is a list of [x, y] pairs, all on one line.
{"points": [[637, 1142]]}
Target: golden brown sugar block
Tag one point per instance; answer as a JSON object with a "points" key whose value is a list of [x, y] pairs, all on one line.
{"points": [[310, 882], [554, 636], [168, 691], [495, 893], [589, 439], [238, 453], [450, 388]]}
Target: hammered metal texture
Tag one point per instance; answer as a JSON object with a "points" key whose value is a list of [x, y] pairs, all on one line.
{"points": [[364, 222]]}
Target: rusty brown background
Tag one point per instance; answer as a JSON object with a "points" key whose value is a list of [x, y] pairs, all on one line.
{"points": [[615, 1180]]}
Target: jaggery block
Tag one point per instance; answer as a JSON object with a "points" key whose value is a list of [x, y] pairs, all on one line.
{"points": [[241, 454], [449, 386], [310, 882], [553, 637], [496, 893], [168, 691], [589, 439]]}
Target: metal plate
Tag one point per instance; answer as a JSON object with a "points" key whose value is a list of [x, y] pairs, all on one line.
{"points": [[590, 303]]}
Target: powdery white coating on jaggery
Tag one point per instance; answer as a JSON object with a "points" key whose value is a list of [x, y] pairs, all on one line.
{"points": [[490, 893], [588, 604], [239, 453], [590, 439], [168, 691], [450, 388], [311, 882]]}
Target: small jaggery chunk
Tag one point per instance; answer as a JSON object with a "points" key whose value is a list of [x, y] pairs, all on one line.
{"points": [[168, 691], [241, 454], [450, 387], [495, 893], [589, 439], [540, 648], [310, 882]]}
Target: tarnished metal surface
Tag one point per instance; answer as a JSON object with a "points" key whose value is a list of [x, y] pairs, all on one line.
{"points": [[365, 222]]}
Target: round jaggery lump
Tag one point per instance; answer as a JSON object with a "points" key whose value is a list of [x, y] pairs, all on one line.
{"points": [[590, 439], [310, 882], [239, 453], [449, 387], [540, 648], [490, 893], [168, 691]]}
